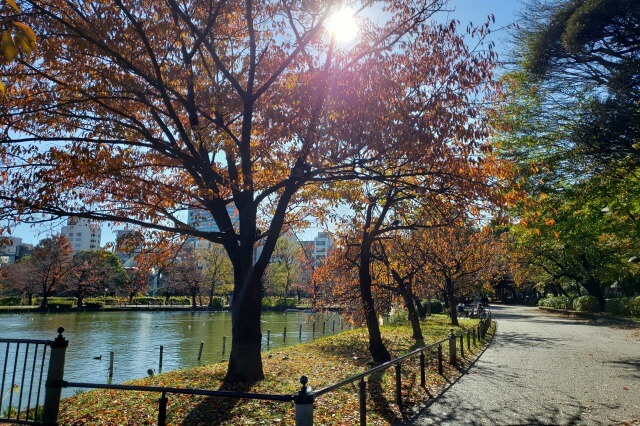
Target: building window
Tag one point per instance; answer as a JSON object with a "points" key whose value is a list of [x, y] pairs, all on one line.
{"points": [[321, 243]]}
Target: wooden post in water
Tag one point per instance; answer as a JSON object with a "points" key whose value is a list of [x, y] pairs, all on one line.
{"points": [[160, 366], [200, 351], [284, 335], [313, 330], [268, 337], [324, 326], [111, 355], [300, 332], [224, 344], [333, 326]]}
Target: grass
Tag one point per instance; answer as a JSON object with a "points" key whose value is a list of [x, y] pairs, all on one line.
{"points": [[324, 361]]}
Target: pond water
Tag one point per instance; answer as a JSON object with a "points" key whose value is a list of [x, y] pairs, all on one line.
{"points": [[136, 337]]}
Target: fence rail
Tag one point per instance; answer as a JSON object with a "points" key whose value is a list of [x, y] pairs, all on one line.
{"points": [[23, 365], [303, 399]]}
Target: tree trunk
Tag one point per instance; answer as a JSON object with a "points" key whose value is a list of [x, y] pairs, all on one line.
{"points": [[422, 312], [593, 287], [408, 298], [193, 301], [453, 302], [378, 351], [245, 360]]}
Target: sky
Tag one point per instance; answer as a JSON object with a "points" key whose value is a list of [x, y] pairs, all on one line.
{"points": [[466, 11]]}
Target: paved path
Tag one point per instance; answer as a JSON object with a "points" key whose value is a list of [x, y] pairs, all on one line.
{"points": [[545, 369]]}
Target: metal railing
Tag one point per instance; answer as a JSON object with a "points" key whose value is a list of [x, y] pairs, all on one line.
{"points": [[303, 399], [23, 364]]}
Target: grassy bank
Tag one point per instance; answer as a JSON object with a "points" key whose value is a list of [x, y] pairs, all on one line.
{"points": [[324, 361]]}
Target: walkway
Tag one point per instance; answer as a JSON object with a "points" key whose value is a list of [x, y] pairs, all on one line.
{"points": [[545, 369]]}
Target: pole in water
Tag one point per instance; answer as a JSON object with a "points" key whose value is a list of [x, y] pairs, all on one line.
{"points": [[333, 326], [111, 355], [200, 351], [224, 344], [313, 329], [160, 366], [284, 335], [300, 332]]}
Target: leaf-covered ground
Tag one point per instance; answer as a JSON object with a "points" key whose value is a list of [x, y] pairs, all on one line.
{"points": [[325, 361]]}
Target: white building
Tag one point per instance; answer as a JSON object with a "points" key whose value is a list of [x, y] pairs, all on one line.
{"points": [[83, 234], [202, 220], [321, 247], [12, 249]]}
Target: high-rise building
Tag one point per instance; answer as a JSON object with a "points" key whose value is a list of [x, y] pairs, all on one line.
{"points": [[12, 250], [202, 220], [83, 234], [321, 246]]}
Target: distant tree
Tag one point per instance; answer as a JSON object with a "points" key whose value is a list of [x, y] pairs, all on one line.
{"points": [[218, 271], [20, 278], [52, 263], [185, 275], [91, 272]]}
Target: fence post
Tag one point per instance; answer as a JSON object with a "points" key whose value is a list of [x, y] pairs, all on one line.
{"points": [[363, 402], [111, 356], [473, 332], [55, 376], [304, 404], [462, 346], [398, 385], [422, 372], [162, 409], [468, 340], [440, 369], [480, 330], [452, 348]]}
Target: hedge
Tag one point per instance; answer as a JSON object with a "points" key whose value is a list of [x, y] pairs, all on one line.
{"points": [[148, 300], [436, 306], [278, 303], [619, 306], [557, 302], [10, 301], [586, 304], [217, 302]]}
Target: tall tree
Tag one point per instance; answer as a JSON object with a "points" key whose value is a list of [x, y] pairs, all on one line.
{"points": [[90, 272], [138, 111], [52, 263]]}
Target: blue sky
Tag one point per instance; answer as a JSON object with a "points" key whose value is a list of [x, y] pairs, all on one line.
{"points": [[476, 11]]}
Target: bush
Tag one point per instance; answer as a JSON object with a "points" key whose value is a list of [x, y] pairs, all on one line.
{"points": [[217, 302], [436, 306], [110, 301], [556, 302], [619, 306], [586, 304], [634, 306], [278, 303], [93, 304], [10, 301], [148, 300], [398, 317], [179, 300], [60, 303]]}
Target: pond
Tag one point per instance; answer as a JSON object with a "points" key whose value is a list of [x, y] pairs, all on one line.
{"points": [[135, 338]]}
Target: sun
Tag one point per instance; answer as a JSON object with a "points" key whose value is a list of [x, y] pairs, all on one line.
{"points": [[342, 25]]}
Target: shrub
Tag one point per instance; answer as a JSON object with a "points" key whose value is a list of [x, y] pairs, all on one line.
{"points": [[398, 317], [278, 303], [586, 304], [634, 306], [436, 306], [60, 303], [110, 301], [93, 304], [10, 301], [557, 302], [179, 300], [148, 300], [619, 306], [217, 303]]}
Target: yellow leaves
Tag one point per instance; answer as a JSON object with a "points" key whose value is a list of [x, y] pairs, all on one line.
{"points": [[549, 221], [13, 5], [8, 47]]}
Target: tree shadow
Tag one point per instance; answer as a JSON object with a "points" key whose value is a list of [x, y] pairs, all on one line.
{"points": [[215, 410], [628, 364], [378, 400]]}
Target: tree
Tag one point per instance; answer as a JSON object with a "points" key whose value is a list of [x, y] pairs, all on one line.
{"points": [[458, 260], [218, 272], [52, 262], [20, 278], [149, 108], [185, 275], [569, 123], [16, 36], [90, 272]]}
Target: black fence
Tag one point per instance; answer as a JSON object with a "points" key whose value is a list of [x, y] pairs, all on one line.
{"points": [[29, 360]]}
